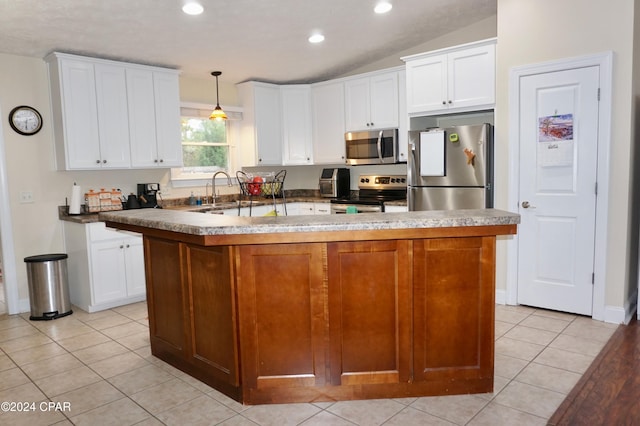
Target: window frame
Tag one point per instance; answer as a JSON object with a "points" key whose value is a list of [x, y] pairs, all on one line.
{"points": [[180, 180]]}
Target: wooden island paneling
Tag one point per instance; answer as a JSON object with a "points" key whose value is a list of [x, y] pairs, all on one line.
{"points": [[323, 316]]}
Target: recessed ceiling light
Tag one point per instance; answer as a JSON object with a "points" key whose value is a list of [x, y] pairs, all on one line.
{"points": [[192, 8], [316, 38], [383, 7]]}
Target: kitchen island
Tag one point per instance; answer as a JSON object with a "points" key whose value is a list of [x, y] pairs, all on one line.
{"points": [[323, 308]]}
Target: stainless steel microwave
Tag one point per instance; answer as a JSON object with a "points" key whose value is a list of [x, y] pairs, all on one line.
{"points": [[371, 147]]}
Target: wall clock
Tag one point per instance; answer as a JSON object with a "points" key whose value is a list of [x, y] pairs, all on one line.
{"points": [[25, 120]]}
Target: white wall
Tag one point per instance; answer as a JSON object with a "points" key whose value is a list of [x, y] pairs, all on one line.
{"points": [[30, 167], [479, 31], [530, 32]]}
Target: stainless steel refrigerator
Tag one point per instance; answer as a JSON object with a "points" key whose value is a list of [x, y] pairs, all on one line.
{"points": [[450, 168]]}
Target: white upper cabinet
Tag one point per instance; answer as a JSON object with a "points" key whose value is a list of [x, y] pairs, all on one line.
{"points": [[154, 117], [261, 134], [297, 145], [96, 114], [328, 123], [111, 97], [89, 114], [372, 102], [451, 80]]}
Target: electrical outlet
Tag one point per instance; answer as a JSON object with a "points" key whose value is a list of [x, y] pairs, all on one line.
{"points": [[26, 197]]}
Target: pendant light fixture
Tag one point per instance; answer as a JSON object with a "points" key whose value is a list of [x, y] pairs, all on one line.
{"points": [[218, 113]]}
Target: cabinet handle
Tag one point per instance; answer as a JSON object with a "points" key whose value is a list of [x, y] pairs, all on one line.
{"points": [[104, 161], [161, 160], [121, 246], [450, 102], [97, 161], [128, 246], [444, 102], [155, 161]]}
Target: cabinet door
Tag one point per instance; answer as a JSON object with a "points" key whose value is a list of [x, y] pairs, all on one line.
{"points": [[281, 316], [79, 115], [134, 265], [394, 209], [384, 101], [108, 271], [322, 208], [303, 209], [296, 125], [167, 119], [369, 312], [427, 84], [328, 123], [142, 118], [471, 77], [453, 308], [268, 132], [212, 313], [167, 298], [357, 103], [111, 98]]}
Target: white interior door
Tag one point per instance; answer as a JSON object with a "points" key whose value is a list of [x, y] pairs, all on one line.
{"points": [[558, 133]]}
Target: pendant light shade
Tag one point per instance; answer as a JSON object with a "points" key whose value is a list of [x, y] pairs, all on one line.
{"points": [[218, 113]]}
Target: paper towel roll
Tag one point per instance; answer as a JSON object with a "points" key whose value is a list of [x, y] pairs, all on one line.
{"points": [[76, 199]]}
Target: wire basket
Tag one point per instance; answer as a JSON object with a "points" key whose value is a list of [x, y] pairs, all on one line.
{"points": [[264, 184]]}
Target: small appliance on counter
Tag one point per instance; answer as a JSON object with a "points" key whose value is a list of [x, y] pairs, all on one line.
{"points": [[335, 183], [148, 195]]}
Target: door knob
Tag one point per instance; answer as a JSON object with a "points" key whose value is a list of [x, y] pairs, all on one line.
{"points": [[526, 205]]}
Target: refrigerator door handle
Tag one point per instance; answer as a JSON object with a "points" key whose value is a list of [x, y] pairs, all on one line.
{"points": [[380, 146]]}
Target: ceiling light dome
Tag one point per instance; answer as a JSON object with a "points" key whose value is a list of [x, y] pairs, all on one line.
{"points": [[192, 8], [383, 7], [316, 38]]}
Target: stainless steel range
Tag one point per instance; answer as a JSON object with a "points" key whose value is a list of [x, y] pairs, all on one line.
{"points": [[373, 191]]}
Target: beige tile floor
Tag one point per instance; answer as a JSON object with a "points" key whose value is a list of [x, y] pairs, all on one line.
{"points": [[99, 369]]}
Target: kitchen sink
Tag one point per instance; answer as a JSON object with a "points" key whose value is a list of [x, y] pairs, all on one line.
{"points": [[219, 207]]}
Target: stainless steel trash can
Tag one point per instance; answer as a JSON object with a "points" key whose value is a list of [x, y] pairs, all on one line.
{"points": [[48, 286]]}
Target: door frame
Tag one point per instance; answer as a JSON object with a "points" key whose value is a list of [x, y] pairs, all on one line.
{"points": [[7, 252], [605, 62]]}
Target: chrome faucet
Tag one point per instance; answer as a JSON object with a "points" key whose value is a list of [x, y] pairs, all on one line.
{"points": [[213, 184], [206, 193]]}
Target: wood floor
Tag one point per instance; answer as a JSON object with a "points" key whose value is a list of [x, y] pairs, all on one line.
{"points": [[609, 392]]}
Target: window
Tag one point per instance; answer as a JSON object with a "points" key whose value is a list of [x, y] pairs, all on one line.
{"points": [[207, 145], [204, 145]]}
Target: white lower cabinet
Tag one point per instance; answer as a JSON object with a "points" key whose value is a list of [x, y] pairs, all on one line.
{"points": [[300, 209], [322, 208], [297, 209], [105, 267], [393, 209]]}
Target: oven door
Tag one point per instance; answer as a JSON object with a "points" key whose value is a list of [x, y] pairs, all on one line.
{"points": [[360, 208]]}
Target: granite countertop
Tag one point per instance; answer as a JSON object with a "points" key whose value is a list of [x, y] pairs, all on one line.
{"points": [[212, 224], [179, 205], [63, 211]]}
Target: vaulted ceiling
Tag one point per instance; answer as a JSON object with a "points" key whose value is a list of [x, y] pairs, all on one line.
{"points": [[245, 39]]}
